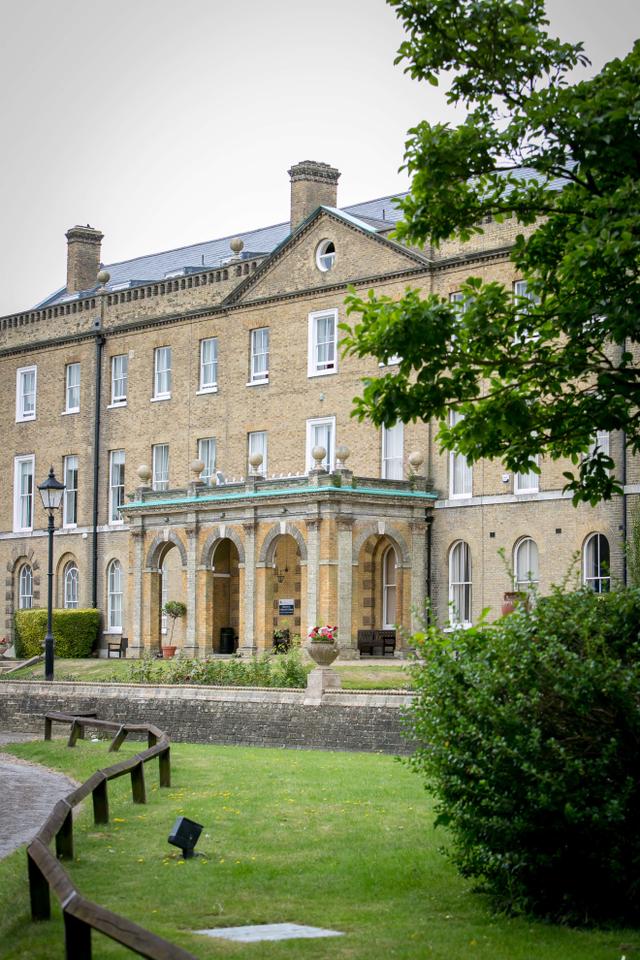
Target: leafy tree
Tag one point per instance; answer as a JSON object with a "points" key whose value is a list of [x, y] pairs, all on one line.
{"points": [[535, 374]]}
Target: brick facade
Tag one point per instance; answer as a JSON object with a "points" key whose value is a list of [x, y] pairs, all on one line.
{"points": [[223, 548]]}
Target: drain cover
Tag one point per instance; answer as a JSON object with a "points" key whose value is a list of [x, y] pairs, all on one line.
{"points": [[269, 931]]}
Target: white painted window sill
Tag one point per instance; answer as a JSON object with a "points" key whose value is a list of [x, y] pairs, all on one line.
{"points": [[116, 403], [206, 390], [165, 396]]}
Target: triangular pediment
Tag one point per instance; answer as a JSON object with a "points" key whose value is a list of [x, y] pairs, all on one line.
{"points": [[361, 253]]}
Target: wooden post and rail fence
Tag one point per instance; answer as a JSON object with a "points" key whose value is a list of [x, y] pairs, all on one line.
{"points": [[46, 872]]}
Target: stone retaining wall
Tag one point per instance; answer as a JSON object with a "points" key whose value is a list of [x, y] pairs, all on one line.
{"points": [[339, 720]]}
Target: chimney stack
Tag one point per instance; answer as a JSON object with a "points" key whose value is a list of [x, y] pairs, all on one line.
{"points": [[83, 257], [312, 185]]}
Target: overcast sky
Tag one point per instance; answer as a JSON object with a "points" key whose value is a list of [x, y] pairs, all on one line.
{"points": [[165, 124]]}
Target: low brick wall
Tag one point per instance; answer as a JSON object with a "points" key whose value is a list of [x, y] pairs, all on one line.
{"points": [[342, 720]]}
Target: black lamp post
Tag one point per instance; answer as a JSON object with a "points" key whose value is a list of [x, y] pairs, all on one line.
{"points": [[51, 492]]}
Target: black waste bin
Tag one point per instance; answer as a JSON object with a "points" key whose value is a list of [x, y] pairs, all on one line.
{"points": [[227, 640]]}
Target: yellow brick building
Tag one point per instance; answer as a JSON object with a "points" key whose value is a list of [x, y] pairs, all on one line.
{"points": [[197, 407]]}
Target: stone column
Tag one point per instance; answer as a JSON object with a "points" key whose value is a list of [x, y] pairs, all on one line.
{"points": [[345, 588], [418, 572], [247, 645], [135, 618], [190, 647], [313, 569]]}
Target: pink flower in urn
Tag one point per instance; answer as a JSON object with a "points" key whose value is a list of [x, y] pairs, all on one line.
{"points": [[323, 634]]}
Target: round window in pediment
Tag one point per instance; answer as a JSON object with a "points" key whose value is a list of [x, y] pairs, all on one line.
{"points": [[325, 255]]}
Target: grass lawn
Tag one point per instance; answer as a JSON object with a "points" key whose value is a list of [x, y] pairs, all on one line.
{"points": [[362, 676], [344, 841]]}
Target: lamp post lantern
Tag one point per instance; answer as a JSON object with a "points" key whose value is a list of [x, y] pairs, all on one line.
{"points": [[51, 492]]}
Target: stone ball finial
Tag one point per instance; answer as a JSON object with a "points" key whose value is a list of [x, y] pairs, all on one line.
{"points": [[237, 245], [318, 454], [415, 459], [196, 467], [144, 474], [255, 461], [103, 278], [342, 454]]}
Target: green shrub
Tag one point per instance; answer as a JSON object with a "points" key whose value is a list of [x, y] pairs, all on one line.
{"points": [[528, 732], [75, 632], [284, 670]]}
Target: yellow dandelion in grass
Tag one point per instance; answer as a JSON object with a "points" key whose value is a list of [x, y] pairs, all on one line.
{"points": [[140, 859], [221, 861], [119, 820]]}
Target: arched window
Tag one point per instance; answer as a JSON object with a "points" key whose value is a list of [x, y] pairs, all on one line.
{"points": [[460, 583], [71, 580], [25, 588], [596, 563], [114, 595], [389, 569], [526, 573]]}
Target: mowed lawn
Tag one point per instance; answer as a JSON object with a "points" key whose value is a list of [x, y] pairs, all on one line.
{"points": [[354, 676], [336, 840]]}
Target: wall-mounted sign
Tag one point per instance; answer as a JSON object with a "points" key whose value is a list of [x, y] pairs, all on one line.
{"points": [[286, 608]]}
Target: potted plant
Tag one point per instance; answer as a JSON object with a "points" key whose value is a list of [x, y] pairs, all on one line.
{"points": [[175, 610], [322, 646]]}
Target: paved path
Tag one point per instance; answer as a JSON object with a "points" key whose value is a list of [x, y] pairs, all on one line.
{"points": [[29, 792]]}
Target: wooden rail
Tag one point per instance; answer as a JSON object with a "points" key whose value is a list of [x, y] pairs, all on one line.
{"points": [[46, 872]]}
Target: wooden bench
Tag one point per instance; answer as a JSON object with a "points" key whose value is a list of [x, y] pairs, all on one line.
{"points": [[117, 647], [376, 643]]}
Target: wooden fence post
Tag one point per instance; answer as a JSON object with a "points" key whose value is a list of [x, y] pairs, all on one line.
{"points": [[64, 838], [118, 740], [100, 803], [77, 938], [137, 783], [48, 723], [164, 765], [38, 891], [76, 727]]}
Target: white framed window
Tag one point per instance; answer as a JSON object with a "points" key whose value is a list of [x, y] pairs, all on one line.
{"points": [[526, 573], [70, 499], [119, 379], [26, 384], [460, 584], [325, 255], [162, 373], [392, 451], [322, 355], [596, 558], [160, 466], [525, 300], [71, 585], [600, 444], [460, 473], [116, 485], [259, 362], [389, 589], [72, 388], [25, 587], [321, 432], [257, 443], [207, 453], [209, 365], [527, 482], [114, 596], [23, 471]]}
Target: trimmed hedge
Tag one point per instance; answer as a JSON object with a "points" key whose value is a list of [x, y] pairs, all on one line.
{"points": [[530, 730], [75, 632]]}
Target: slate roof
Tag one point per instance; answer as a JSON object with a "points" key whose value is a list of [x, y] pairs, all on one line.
{"points": [[213, 253]]}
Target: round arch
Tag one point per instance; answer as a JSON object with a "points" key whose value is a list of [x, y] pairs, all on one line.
{"points": [[375, 530], [157, 548], [267, 550], [214, 538]]}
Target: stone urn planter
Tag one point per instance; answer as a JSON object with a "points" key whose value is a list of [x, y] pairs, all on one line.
{"points": [[322, 652]]}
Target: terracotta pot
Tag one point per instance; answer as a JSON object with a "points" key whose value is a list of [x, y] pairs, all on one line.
{"points": [[512, 599], [168, 652], [321, 652]]}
